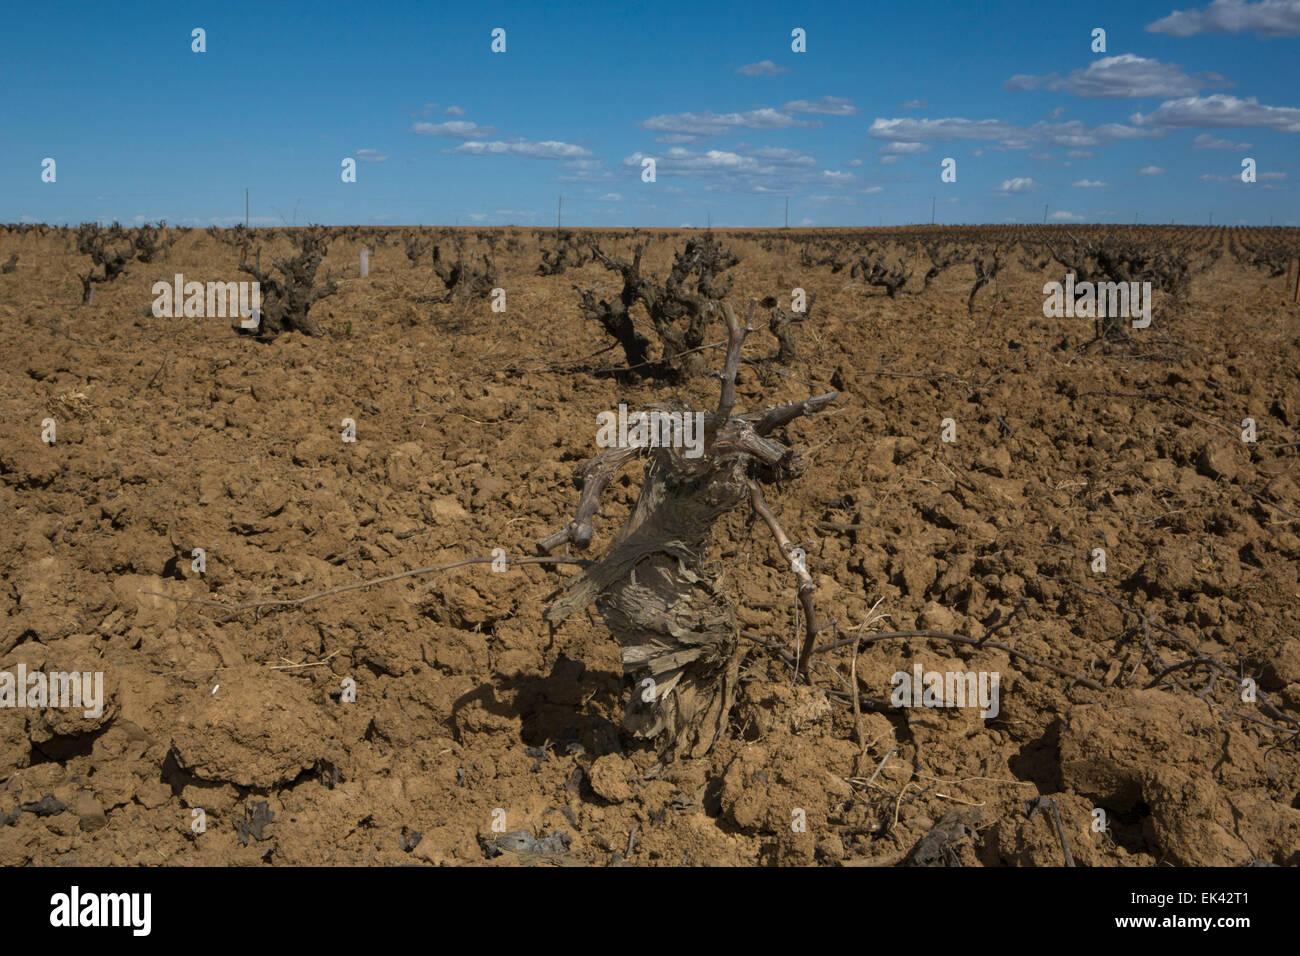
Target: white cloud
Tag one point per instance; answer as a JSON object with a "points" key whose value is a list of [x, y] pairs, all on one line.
{"points": [[453, 111], [371, 156], [678, 161], [1003, 135], [854, 162], [780, 154], [612, 197], [1080, 153], [1020, 184], [699, 125], [1066, 215], [914, 105], [1206, 141], [762, 68], [1123, 76], [683, 128], [918, 130], [1220, 111], [453, 129], [1151, 171], [746, 169], [1090, 184], [827, 106], [1270, 18], [1006, 135], [548, 149], [873, 190], [904, 149]]}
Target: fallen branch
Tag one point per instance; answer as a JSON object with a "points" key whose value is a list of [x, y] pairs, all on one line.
{"points": [[233, 610]]}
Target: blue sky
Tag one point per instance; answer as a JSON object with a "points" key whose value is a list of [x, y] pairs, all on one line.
{"points": [[853, 131]]}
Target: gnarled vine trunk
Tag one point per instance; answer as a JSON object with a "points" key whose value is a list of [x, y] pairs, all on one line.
{"points": [[655, 590]]}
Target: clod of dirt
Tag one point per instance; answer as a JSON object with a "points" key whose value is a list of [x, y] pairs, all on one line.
{"points": [[1106, 753], [1283, 671], [936, 617], [447, 845], [996, 461], [810, 706], [1169, 571], [87, 808], [608, 776], [1218, 459], [262, 731], [767, 707]]}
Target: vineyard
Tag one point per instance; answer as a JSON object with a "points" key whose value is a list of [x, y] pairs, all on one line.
{"points": [[429, 644]]}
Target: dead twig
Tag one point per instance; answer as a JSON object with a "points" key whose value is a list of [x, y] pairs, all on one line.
{"points": [[233, 610], [806, 586]]}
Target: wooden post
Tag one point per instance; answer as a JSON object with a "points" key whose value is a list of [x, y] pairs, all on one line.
{"points": [[1295, 296], [365, 263]]}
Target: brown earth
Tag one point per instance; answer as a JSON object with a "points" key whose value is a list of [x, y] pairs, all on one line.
{"points": [[175, 434]]}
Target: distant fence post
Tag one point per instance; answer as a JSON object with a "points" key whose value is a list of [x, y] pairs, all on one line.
{"points": [[1295, 295], [365, 263]]}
